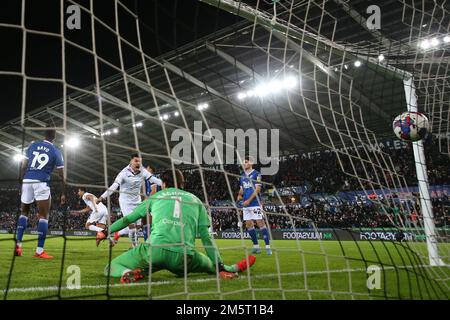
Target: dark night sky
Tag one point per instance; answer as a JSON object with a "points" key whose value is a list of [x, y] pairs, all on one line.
{"points": [[165, 25]]}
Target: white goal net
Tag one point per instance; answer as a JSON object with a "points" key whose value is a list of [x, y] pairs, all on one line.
{"points": [[307, 89]]}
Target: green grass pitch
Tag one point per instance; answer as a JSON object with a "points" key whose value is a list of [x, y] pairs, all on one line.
{"points": [[296, 270]]}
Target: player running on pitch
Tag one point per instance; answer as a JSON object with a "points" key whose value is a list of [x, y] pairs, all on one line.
{"points": [[177, 217], [250, 187], [130, 181], [41, 159], [99, 213]]}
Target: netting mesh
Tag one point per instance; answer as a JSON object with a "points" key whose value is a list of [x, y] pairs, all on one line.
{"points": [[139, 76]]}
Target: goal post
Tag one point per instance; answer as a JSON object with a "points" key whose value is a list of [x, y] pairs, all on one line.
{"points": [[426, 207]]}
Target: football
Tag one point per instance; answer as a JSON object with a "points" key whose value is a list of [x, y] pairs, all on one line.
{"points": [[411, 126]]}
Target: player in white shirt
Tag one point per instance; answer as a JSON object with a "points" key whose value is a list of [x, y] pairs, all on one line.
{"points": [[99, 213], [130, 181]]}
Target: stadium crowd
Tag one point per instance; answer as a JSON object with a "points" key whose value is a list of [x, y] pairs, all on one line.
{"points": [[312, 172], [317, 215], [345, 216]]}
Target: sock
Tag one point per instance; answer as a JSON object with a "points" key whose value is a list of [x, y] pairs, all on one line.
{"points": [[136, 236], [252, 233], [95, 228], [42, 234], [265, 234], [133, 237], [124, 231], [21, 226], [145, 232], [138, 228], [39, 250]]}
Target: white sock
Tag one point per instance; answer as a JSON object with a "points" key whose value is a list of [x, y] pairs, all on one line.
{"points": [[133, 237], [39, 250], [95, 228], [267, 246], [136, 238], [19, 244], [124, 231], [256, 246]]}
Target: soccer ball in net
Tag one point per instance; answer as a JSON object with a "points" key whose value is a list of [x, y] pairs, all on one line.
{"points": [[411, 126]]}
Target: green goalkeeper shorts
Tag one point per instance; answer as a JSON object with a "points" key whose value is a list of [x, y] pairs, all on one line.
{"points": [[162, 259]]}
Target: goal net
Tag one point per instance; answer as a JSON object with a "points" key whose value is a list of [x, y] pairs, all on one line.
{"points": [[307, 89]]}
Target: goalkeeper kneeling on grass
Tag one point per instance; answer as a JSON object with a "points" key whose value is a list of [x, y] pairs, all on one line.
{"points": [[177, 217]]}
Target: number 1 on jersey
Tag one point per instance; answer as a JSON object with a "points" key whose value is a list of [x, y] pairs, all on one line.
{"points": [[177, 207]]}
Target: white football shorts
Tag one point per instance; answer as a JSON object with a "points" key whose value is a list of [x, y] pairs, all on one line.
{"points": [[99, 216], [34, 190], [127, 207], [252, 213]]}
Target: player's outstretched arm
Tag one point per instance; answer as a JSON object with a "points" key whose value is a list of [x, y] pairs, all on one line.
{"points": [[209, 245], [226, 271], [212, 251], [79, 212], [108, 192], [111, 189], [203, 225], [151, 177]]}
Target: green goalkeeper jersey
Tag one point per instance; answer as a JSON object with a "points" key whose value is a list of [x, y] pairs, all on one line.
{"points": [[176, 218]]}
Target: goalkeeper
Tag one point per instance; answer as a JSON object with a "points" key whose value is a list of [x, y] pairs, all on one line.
{"points": [[177, 216]]}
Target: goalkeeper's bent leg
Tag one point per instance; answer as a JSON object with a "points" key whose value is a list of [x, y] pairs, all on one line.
{"points": [[136, 258]]}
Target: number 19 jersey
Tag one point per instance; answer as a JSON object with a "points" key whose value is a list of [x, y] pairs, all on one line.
{"points": [[42, 157]]}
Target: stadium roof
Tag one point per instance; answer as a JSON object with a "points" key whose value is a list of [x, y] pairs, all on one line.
{"points": [[215, 69]]}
